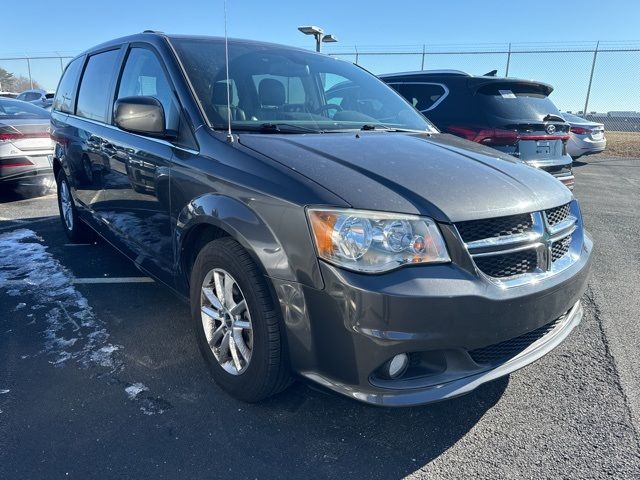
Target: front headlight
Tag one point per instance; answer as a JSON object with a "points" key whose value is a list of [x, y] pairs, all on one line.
{"points": [[375, 242]]}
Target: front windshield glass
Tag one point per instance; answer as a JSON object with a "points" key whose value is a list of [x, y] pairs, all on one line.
{"points": [[281, 89]]}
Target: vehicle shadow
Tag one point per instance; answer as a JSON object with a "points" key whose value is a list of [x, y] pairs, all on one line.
{"points": [[15, 193], [351, 439]]}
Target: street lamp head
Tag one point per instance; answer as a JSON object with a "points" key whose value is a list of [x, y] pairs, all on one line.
{"points": [[328, 38], [311, 30]]}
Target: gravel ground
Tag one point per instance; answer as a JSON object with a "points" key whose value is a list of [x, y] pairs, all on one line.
{"points": [[130, 396]]}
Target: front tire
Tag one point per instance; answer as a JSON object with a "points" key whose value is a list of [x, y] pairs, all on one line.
{"points": [[238, 326], [77, 231]]}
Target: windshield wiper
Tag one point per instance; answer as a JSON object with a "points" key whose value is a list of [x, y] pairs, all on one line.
{"points": [[280, 127], [385, 128]]}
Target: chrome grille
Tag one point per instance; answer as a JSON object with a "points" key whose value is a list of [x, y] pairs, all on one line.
{"points": [[508, 264], [503, 351], [560, 248], [516, 249], [557, 214], [474, 230]]}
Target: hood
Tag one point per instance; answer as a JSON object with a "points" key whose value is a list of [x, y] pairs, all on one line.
{"points": [[440, 175]]}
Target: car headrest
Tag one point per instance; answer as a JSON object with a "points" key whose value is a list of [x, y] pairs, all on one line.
{"points": [[271, 92], [219, 93]]}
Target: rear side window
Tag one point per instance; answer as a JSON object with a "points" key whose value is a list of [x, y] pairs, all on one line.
{"points": [[513, 101], [95, 87], [11, 109], [29, 96], [63, 101], [423, 96]]}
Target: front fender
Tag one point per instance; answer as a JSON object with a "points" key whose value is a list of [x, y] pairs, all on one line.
{"points": [[248, 227]]}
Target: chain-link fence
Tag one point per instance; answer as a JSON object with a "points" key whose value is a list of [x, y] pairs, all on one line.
{"points": [[599, 78]]}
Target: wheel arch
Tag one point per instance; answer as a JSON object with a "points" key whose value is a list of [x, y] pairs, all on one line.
{"points": [[213, 216]]}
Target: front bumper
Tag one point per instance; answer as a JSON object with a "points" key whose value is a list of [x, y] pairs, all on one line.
{"points": [[561, 168], [340, 336]]}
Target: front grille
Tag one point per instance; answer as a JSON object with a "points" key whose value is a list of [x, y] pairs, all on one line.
{"points": [[503, 351], [560, 248], [508, 264], [557, 214], [473, 230]]}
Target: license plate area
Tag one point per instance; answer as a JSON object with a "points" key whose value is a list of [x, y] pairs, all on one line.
{"points": [[543, 147]]}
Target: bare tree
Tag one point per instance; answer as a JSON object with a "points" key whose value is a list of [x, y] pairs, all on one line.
{"points": [[6, 80], [22, 83]]}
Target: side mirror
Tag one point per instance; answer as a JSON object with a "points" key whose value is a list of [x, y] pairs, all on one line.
{"points": [[143, 115]]}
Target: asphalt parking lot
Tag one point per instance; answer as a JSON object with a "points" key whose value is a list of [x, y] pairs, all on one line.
{"points": [[100, 377]]}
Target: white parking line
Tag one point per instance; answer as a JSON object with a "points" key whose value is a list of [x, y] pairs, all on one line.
{"points": [[92, 281], [89, 281]]}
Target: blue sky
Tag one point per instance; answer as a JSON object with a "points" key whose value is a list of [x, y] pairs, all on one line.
{"points": [[81, 24]]}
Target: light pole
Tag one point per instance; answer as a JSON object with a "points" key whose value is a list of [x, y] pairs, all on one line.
{"points": [[318, 34]]}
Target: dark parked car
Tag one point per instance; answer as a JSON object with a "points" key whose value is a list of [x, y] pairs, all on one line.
{"points": [[347, 242], [25, 146], [511, 115]]}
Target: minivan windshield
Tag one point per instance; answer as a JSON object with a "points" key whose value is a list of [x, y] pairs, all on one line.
{"points": [[278, 89]]}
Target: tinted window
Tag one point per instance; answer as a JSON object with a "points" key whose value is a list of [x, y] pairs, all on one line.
{"points": [[29, 96], [512, 101], [143, 76], [17, 109], [422, 95], [95, 86], [65, 93]]}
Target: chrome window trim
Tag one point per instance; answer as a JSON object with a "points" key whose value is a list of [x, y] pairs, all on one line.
{"points": [[157, 140], [436, 103]]}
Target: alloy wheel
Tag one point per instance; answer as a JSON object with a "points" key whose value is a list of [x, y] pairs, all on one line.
{"points": [[226, 321], [67, 205]]}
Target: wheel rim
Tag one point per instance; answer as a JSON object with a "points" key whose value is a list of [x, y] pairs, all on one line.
{"points": [[66, 204], [226, 321]]}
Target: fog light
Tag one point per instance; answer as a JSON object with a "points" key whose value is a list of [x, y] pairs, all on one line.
{"points": [[397, 365]]}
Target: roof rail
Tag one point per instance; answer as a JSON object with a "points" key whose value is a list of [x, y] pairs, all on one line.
{"points": [[429, 72], [152, 31]]}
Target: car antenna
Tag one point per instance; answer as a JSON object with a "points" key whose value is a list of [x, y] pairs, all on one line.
{"points": [[226, 64]]}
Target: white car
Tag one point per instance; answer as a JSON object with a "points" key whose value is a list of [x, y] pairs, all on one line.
{"points": [[25, 145], [585, 137], [41, 98]]}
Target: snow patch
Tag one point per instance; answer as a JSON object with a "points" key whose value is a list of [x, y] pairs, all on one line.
{"points": [[134, 390], [73, 332]]}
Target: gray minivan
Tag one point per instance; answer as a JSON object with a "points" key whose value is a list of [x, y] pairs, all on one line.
{"points": [[339, 239]]}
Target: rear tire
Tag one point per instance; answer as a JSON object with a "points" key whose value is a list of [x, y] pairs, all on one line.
{"points": [[77, 231], [266, 372]]}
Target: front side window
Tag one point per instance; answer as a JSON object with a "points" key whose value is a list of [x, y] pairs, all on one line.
{"points": [[65, 93], [143, 75], [291, 88], [94, 92]]}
